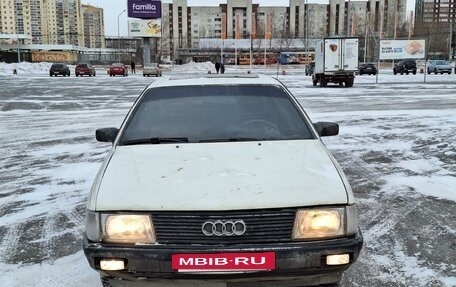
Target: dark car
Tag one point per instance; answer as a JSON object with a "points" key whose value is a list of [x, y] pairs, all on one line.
{"points": [[85, 69], [310, 68], [118, 69], [405, 66], [367, 68], [59, 69]]}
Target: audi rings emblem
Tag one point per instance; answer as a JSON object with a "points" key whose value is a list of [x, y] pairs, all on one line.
{"points": [[224, 228]]}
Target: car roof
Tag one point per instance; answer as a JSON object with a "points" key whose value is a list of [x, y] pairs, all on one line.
{"points": [[216, 79]]}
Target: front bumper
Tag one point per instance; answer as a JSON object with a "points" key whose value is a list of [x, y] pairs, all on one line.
{"points": [[300, 262], [443, 70]]}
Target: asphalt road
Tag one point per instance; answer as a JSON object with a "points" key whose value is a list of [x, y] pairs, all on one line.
{"points": [[397, 146]]}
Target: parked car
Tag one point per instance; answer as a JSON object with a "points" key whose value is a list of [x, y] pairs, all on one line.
{"points": [[194, 190], [405, 66], [118, 69], [310, 68], [438, 66], [85, 69], [152, 70], [59, 69], [367, 68]]}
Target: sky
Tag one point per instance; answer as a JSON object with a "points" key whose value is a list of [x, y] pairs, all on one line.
{"points": [[114, 8]]}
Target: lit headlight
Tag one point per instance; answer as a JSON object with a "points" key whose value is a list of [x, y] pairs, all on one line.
{"points": [[128, 229], [319, 223]]}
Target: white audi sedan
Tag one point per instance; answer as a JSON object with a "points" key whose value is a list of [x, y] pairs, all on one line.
{"points": [[220, 181]]}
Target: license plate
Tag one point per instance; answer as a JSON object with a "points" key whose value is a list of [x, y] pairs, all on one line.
{"points": [[223, 262]]}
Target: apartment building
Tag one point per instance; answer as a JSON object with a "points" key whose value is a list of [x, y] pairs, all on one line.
{"points": [[93, 20], [429, 12], [435, 20], [185, 26], [21, 17], [54, 22], [241, 19]]}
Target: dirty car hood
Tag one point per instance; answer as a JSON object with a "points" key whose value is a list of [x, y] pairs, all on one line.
{"points": [[220, 176]]}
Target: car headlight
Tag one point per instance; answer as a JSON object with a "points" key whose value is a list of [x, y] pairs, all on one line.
{"points": [[127, 228], [321, 223]]}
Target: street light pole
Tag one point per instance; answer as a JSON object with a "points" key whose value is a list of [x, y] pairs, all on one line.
{"points": [[118, 35], [18, 49], [348, 19]]}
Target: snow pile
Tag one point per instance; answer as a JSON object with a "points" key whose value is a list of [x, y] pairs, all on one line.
{"points": [[25, 68], [192, 66]]}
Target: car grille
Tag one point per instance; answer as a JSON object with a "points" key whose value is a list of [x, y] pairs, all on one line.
{"points": [[263, 226]]}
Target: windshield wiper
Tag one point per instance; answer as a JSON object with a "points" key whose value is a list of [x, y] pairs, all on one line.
{"points": [[234, 139], [155, 141]]}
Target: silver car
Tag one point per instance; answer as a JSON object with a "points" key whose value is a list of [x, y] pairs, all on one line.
{"points": [[152, 70], [439, 66]]}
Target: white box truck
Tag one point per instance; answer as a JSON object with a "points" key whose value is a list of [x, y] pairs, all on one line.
{"points": [[336, 61]]}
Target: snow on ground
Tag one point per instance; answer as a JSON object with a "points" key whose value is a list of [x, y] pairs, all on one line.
{"points": [[397, 145], [25, 68]]}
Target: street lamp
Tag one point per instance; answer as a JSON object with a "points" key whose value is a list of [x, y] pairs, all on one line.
{"points": [[348, 19], [118, 34]]}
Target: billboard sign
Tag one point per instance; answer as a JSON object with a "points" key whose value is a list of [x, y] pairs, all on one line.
{"points": [[402, 49], [144, 28], [144, 9]]}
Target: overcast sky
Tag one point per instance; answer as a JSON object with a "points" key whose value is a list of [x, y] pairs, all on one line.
{"points": [[112, 9]]}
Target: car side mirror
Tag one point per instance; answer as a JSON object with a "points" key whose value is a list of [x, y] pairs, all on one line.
{"points": [[106, 134], [326, 129]]}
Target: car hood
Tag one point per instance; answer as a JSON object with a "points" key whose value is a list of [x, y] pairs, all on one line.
{"points": [[220, 176]]}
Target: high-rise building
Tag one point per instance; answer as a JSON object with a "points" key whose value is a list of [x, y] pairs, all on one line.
{"points": [[428, 12], [436, 21], [21, 17], [93, 26], [68, 22], [185, 25], [45, 21]]}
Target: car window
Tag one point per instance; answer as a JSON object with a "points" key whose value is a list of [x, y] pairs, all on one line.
{"points": [[440, 62], [202, 113], [57, 66], [82, 66], [117, 65]]}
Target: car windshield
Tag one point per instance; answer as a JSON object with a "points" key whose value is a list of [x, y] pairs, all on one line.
{"points": [[117, 65], [152, 66], [57, 66], [82, 66], [215, 113], [441, 62]]}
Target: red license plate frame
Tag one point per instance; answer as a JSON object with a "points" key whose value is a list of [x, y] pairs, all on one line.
{"points": [[223, 262]]}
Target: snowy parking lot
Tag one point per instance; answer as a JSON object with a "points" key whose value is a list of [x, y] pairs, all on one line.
{"points": [[397, 145]]}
